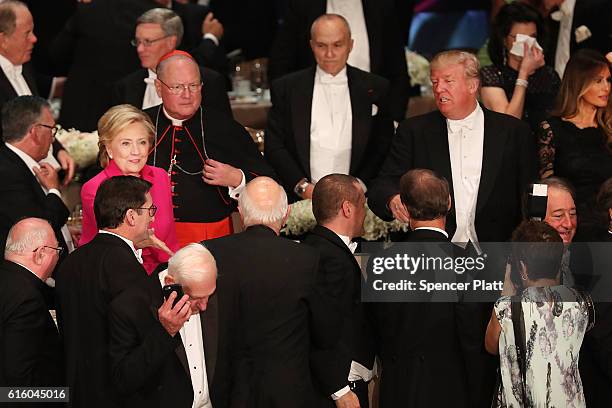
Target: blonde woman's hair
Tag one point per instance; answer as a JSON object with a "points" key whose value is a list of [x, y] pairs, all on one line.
{"points": [[580, 72], [115, 120]]}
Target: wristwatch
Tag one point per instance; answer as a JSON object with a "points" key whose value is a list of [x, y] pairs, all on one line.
{"points": [[301, 187]]}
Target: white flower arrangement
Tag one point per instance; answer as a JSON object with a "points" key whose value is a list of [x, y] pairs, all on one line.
{"points": [[418, 69], [301, 220], [82, 146]]}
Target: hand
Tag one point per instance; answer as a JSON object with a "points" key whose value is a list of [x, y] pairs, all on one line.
{"points": [[308, 192], [609, 57], [47, 176], [173, 318], [212, 25], [221, 174], [533, 58], [348, 400], [151, 241], [68, 164], [397, 208]]}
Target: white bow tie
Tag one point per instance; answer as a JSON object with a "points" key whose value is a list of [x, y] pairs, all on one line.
{"points": [[334, 80], [352, 246], [138, 254], [457, 125], [149, 81], [151, 78], [563, 11]]}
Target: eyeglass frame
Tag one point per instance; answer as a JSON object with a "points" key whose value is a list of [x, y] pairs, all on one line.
{"points": [[60, 250], [182, 87], [146, 42], [152, 209], [54, 129]]}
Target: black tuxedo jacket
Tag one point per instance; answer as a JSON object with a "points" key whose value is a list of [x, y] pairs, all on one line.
{"points": [[340, 279], [205, 51], [24, 197], [287, 146], [149, 368], [281, 316], [131, 89], [34, 81], [291, 50], [508, 166], [421, 346], [30, 346], [86, 283], [595, 15]]}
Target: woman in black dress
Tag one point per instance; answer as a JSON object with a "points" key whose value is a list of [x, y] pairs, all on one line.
{"points": [[576, 142], [523, 87]]}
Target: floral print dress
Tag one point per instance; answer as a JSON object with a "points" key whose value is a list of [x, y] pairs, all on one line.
{"points": [[556, 320]]}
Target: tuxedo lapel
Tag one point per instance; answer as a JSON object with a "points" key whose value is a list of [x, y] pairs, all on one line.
{"points": [[301, 114], [210, 329], [492, 152], [21, 167], [371, 13], [6, 89], [362, 117], [138, 88], [332, 237], [437, 145]]}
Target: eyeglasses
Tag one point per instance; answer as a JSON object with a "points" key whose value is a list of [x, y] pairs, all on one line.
{"points": [[146, 43], [54, 129], [60, 250], [178, 89], [152, 209]]}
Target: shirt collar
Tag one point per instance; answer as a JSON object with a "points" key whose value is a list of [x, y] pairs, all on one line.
{"points": [[29, 161], [347, 241], [468, 122], [441, 231], [339, 79], [175, 122], [7, 66], [137, 252], [150, 79]]}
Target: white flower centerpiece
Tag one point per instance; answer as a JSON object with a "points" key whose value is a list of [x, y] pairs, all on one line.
{"points": [[301, 220], [82, 146], [418, 70]]}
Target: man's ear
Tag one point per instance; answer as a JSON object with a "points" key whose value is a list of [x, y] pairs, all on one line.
{"points": [[130, 217], [450, 203], [286, 216], [158, 86], [347, 208], [38, 256], [523, 271], [473, 85], [169, 280]]}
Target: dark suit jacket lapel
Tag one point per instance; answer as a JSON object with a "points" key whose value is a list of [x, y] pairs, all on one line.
{"points": [[332, 237], [210, 330], [6, 89], [138, 88], [492, 152], [437, 143], [24, 169], [371, 13], [362, 117], [301, 111]]}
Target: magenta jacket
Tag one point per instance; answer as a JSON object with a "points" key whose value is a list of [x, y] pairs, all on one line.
{"points": [[164, 218]]}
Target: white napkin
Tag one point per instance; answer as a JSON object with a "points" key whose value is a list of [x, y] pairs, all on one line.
{"points": [[518, 47]]}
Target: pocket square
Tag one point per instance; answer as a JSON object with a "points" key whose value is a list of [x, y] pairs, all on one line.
{"points": [[374, 109], [582, 33]]}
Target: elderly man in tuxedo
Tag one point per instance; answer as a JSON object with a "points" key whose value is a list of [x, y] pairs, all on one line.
{"points": [[282, 316], [30, 346], [17, 76], [209, 156], [181, 355], [342, 372], [95, 274], [488, 159], [158, 32], [378, 44], [330, 118], [30, 186]]}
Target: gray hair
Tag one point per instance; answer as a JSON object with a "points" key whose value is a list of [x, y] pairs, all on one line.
{"points": [[560, 184], [169, 21], [253, 213], [35, 236], [19, 114], [330, 17], [8, 17], [191, 264], [469, 61]]}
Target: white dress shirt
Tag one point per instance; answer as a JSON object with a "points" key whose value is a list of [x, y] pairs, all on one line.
{"points": [[331, 127], [562, 54], [357, 371], [465, 145], [15, 76], [30, 164], [151, 98], [352, 11], [191, 336]]}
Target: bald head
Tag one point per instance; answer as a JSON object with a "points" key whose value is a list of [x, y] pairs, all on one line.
{"points": [[174, 62], [31, 242], [333, 22], [263, 202], [331, 43]]}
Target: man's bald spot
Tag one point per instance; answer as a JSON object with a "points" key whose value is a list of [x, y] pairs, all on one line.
{"points": [[174, 60], [264, 192], [28, 224], [339, 21]]}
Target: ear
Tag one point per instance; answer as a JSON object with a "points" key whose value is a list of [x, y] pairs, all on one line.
{"points": [[130, 217], [169, 280], [158, 86], [38, 256], [473, 84], [346, 208], [172, 41], [351, 46], [450, 202], [523, 271], [286, 215]]}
